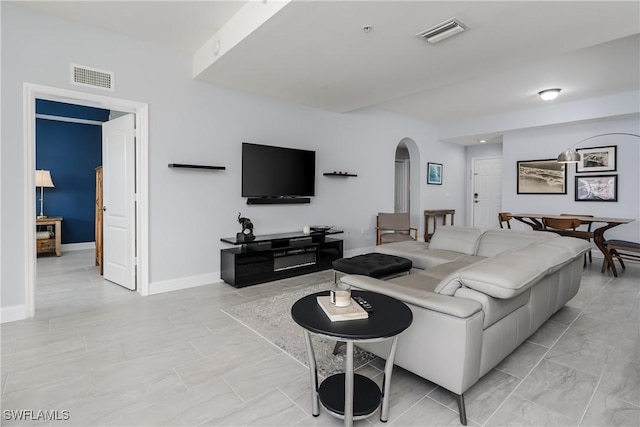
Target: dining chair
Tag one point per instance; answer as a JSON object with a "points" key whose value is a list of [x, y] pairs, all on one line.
{"points": [[505, 217], [621, 249], [394, 227], [562, 224], [588, 225]]}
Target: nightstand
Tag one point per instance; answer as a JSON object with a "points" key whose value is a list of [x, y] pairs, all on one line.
{"points": [[53, 243]]}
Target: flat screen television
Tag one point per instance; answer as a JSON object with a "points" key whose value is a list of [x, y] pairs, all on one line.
{"points": [[277, 172]]}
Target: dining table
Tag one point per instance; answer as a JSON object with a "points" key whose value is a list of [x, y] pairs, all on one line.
{"points": [[597, 233]]}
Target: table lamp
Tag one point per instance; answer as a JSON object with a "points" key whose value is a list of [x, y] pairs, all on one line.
{"points": [[43, 179]]}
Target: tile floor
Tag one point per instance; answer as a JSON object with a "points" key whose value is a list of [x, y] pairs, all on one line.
{"points": [[101, 355]]}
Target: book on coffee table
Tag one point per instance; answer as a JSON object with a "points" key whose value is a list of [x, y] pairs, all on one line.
{"points": [[339, 314]]}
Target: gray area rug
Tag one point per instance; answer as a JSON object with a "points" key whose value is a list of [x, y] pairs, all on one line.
{"points": [[271, 318]]}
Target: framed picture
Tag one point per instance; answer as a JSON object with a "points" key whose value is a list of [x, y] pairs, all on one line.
{"points": [[541, 177], [597, 188], [434, 173], [597, 159]]}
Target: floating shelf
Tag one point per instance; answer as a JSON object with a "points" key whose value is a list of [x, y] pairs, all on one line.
{"points": [[180, 165], [338, 174]]}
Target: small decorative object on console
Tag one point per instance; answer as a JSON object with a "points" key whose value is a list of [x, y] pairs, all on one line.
{"points": [[321, 228], [247, 229]]}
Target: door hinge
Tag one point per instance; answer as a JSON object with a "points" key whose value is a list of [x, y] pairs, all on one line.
{"points": [[135, 261]]}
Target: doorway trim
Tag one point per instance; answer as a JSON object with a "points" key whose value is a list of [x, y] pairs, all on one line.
{"points": [[31, 92]]}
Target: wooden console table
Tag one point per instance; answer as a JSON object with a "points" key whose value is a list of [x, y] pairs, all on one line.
{"points": [[53, 244], [435, 213]]}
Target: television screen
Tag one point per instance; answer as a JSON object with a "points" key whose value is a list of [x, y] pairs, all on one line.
{"points": [[269, 171]]}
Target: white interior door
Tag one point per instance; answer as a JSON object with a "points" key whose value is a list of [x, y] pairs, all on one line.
{"points": [[118, 193], [487, 192]]}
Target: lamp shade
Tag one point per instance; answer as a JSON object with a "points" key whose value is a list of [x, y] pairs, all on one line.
{"points": [[569, 156], [43, 179]]}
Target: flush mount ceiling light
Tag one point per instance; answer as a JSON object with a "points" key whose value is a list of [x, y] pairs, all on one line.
{"points": [[443, 30], [549, 94]]}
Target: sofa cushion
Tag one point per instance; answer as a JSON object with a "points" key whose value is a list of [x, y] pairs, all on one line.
{"points": [[494, 308], [512, 272], [401, 247], [494, 242], [456, 239], [416, 281], [417, 252]]}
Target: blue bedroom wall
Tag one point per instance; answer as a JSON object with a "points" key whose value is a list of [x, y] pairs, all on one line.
{"points": [[71, 151]]}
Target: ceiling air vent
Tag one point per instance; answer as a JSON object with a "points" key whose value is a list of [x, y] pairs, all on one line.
{"points": [[86, 76], [443, 31]]}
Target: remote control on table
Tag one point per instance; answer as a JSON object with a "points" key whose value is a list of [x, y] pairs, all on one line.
{"points": [[363, 303]]}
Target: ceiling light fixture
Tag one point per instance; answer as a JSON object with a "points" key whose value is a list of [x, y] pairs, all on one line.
{"points": [[482, 141], [549, 94], [443, 30], [367, 29]]}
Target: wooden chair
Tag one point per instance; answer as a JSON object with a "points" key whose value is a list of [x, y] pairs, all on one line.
{"points": [[394, 227], [505, 217], [562, 224], [620, 249], [588, 229]]}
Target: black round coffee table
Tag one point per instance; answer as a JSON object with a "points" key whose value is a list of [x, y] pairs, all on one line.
{"points": [[346, 395]]}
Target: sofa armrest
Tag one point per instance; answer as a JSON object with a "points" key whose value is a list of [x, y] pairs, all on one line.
{"points": [[454, 306]]}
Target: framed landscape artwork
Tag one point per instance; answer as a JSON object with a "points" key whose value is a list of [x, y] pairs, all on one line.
{"points": [[541, 177], [597, 188], [434, 173], [597, 159]]}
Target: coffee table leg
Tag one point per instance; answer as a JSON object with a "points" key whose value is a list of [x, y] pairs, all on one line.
{"points": [[348, 386], [313, 372], [386, 383]]}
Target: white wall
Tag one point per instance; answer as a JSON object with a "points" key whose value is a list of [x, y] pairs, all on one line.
{"points": [[548, 142], [192, 122]]}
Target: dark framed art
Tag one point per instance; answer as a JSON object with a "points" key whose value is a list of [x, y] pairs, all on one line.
{"points": [[434, 173], [597, 159], [541, 177], [597, 188]]}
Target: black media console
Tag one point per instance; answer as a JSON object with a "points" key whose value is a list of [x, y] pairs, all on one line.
{"points": [[277, 256]]}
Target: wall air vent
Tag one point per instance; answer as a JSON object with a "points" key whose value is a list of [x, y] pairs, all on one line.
{"points": [[443, 31], [91, 77]]}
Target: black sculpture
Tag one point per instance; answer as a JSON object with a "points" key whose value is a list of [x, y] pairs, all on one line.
{"points": [[247, 229]]}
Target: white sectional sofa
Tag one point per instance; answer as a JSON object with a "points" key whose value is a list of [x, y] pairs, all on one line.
{"points": [[475, 296]]}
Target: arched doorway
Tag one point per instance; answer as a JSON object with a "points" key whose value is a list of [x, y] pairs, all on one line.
{"points": [[402, 193], [407, 180]]}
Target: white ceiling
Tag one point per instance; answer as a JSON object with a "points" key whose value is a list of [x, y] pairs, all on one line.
{"points": [[315, 52]]}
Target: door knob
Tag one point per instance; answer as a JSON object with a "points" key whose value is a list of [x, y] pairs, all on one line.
{"points": [[104, 208]]}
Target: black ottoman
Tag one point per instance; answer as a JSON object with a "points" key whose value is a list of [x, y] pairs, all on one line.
{"points": [[373, 265]]}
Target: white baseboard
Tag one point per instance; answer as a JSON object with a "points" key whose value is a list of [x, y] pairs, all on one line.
{"points": [[13, 313], [183, 283], [67, 247]]}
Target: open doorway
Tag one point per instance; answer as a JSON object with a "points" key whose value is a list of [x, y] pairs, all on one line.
{"points": [[139, 257], [407, 180], [402, 179], [87, 150]]}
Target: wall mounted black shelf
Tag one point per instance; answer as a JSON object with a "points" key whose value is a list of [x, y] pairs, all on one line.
{"points": [[338, 174], [181, 165]]}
